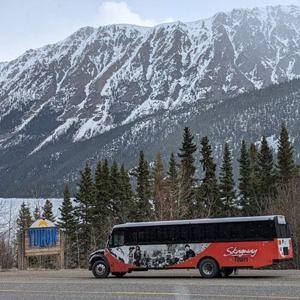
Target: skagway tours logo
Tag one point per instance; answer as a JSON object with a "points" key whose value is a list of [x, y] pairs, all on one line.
{"points": [[240, 254]]}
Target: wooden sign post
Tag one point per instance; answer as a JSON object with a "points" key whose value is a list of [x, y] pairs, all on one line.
{"points": [[42, 238]]}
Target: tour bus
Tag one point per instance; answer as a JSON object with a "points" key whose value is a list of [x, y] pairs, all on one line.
{"points": [[215, 246]]}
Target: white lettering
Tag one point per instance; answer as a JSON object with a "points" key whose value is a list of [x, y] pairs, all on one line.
{"points": [[234, 251]]}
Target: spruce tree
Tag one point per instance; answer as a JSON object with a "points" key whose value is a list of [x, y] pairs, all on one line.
{"points": [[101, 210], [266, 174], [115, 193], [286, 167], [67, 219], [47, 211], [244, 178], [36, 213], [187, 175], [84, 214], [209, 196], [254, 171], [127, 201], [159, 191], [227, 190], [172, 188], [68, 223], [24, 220], [253, 207], [143, 191]]}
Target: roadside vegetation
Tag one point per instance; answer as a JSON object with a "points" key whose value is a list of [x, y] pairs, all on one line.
{"points": [[267, 183]]}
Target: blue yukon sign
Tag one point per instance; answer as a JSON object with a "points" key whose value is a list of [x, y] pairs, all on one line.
{"points": [[42, 234], [43, 237]]}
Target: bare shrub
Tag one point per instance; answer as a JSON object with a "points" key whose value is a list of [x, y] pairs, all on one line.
{"points": [[287, 203]]}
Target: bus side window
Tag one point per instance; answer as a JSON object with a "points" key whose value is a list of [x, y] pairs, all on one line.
{"points": [[118, 238], [153, 235], [164, 234], [182, 234], [197, 233], [130, 236], [141, 238]]}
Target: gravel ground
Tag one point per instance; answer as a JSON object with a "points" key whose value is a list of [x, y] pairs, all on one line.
{"points": [[164, 284]]}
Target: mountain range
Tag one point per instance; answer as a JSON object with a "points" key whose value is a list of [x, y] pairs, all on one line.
{"points": [[108, 92]]}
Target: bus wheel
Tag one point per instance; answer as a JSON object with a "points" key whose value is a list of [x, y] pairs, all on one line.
{"points": [[118, 274], [226, 272], [209, 268], [100, 269]]}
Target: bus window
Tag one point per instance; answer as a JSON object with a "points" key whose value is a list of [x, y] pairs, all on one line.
{"points": [[142, 235], [153, 235], [283, 231], [118, 238], [164, 234], [211, 232], [181, 234], [130, 236]]}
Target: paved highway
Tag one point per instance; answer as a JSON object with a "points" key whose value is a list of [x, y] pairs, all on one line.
{"points": [[179, 284]]}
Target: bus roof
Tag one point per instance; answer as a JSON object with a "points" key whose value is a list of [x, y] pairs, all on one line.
{"points": [[202, 221]]}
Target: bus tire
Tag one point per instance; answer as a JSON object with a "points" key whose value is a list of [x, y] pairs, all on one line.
{"points": [[100, 269], [209, 268], [226, 272], [118, 274]]}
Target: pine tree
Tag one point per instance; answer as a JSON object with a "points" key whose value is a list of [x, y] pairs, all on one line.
{"points": [[67, 219], [115, 193], [187, 175], [127, 201], [285, 158], [266, 174], [227, 191], [209, 196], [47, 211], [47, 261], [244, 178], [253, 207], [24, 220], [67, 222], [84, 214], [142, 174], [101, 210], [159, 191], [172, 188], [36, 213]]}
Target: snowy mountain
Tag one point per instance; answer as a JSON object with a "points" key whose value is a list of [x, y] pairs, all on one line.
{"points": [[108, 92]]}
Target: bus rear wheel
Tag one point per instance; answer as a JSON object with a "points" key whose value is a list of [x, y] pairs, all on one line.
{"points": [[209, 268], [118, 274], [100, 269]]}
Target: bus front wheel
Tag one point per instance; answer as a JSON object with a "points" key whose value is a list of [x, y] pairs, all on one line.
{"points": [[209, 268], [100, 269]]}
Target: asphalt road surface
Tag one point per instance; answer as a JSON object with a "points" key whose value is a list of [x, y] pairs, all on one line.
{"points": [[164, 284]]}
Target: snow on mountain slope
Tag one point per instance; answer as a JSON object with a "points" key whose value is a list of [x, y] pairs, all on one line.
{"points": [[98, 82]]}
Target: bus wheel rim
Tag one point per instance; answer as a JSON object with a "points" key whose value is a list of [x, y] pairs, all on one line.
{"points": [[208, 269], [100, 269]]}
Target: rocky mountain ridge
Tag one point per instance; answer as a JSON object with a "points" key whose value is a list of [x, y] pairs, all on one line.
{"points": [[110, 91]]}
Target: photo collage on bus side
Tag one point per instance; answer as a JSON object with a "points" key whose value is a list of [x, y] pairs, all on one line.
{"points": [[154, 256]]}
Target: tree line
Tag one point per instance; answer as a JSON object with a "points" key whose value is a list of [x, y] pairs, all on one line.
{"points": [[111, 194]]}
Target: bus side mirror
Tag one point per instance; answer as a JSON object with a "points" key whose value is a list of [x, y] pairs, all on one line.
{"points": [[109, 241]]}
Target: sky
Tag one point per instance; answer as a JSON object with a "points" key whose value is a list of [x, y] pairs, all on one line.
{"points": [[29, 24]]}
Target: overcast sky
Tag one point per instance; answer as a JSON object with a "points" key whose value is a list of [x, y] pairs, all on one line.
{"points": [[26, 24]]}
